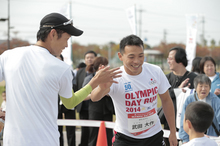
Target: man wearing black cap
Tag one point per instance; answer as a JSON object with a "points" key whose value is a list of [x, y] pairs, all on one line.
{"points": [[34, 78]]}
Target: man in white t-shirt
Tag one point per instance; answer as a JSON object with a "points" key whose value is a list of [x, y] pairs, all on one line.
{"points": [[34, 78], [135, 98]]}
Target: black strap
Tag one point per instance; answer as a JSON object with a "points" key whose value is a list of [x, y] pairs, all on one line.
{"points": [[181, 79], [195, 96], [216, 131], [213, 125]]}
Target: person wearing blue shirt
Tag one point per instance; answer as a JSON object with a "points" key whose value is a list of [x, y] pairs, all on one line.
{"points": [[202, 85]]}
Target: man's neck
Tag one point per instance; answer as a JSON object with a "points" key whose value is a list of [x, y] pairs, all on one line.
{"points": [[180, 71], [43, 45]]}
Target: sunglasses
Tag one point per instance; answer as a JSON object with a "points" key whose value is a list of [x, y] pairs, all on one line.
{"points": [[63, 24]]}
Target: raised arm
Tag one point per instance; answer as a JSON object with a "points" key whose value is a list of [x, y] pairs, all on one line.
{"points": [[103, 76], [99, 92]]}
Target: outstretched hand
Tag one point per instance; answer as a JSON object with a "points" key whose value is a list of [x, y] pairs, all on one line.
{"points": [[185, 84], [106, 85], [105, 76]]}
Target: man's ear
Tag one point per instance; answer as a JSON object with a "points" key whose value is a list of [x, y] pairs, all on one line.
{"points": [[52, 34], [120, 56]]}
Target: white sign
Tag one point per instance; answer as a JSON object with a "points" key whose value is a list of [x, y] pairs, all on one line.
{"points": [[131, 15], [191, 26]]}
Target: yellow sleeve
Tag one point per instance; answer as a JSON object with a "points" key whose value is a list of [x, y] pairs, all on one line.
{"points": [[77, 97]]}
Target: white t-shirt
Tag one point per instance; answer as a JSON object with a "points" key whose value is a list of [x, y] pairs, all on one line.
{"points": [[203, 141], [34, 78], [135, 101], [212, 78]]}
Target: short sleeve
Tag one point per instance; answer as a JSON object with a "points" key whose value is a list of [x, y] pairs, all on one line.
{"points": [[66, 84], [164, 84]]}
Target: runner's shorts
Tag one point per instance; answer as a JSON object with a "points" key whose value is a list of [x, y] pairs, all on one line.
{"points": [[123, 140]]}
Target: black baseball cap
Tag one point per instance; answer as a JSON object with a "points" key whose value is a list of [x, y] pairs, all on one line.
{"points": [[56, 20]]}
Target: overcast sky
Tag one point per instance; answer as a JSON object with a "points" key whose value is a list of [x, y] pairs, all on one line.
{"points": [[105, 20]]}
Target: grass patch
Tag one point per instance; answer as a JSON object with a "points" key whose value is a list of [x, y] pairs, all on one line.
{"points": [[2, 88]]}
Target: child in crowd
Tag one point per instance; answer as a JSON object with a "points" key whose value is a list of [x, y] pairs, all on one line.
{"points": [[198, 118]]}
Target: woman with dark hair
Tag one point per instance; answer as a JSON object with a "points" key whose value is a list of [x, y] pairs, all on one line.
{"points": [[196, 65], [208, 67], [101, 110]]}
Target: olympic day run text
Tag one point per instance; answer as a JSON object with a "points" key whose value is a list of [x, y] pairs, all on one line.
{"points": [[134, 100]]}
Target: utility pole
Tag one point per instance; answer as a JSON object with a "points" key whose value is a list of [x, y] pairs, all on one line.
{"points": [[203, 31], [70, 39], [164, 36], [109, 53], [8, 19]]}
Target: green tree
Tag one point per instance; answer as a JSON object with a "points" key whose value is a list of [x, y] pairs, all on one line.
{"points": [[165, 48], [213, 43], [202, 51]]}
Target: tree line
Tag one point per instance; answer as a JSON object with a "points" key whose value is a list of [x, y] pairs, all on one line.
{"points": [[79, 50]]}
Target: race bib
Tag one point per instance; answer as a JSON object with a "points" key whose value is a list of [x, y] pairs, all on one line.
{"points": [[139, 123]]}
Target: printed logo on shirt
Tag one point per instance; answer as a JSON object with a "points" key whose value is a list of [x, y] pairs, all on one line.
{"points": [[135, 100], [218, 84], [128, 87], [152, 82], [145, 108]]}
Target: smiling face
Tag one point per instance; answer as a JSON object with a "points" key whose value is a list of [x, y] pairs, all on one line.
{"points": [[132, 58], [209, 68], [171, 60], [57, 45], [202, 90]]}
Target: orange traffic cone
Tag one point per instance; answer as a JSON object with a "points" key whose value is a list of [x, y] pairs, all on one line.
{"points": [[102, 138]]}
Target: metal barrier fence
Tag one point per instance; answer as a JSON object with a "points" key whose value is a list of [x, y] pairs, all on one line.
{"points": [[94, 123]]}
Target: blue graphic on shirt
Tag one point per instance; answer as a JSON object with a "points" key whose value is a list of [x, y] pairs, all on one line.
{"points": [[128, 87]]}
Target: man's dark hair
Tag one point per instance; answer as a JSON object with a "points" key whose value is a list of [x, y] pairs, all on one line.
{"points": [[131, 40], [180, 56], [202, 63], [90, 51], [196, 64], [200, 114], [43, 33], [81, 65]]}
